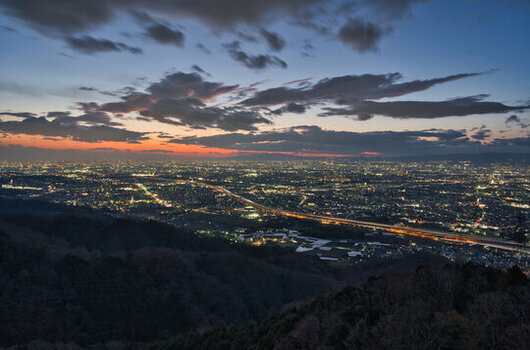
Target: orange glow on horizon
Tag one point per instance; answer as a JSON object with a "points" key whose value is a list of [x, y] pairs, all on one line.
{"points": [[145, 147]]}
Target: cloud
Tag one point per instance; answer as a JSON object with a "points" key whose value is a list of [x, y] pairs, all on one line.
{"points": [[90, 45], [194, 113], [290, 108], [165, 35], [311, 24], [391, 9], [181, 99], [274, 40], [513, 119], [357, 95], [70, 127], [253, 61], [457, 107], [129, 103], [73, 16], [203, 48], [245, 36], [91, 117], [62, 18], [87, 88], [176, 85], [188, 85], [523, 142], [198, 69], [362, 36], [348, 89], [313, 139], [482, 134], [18, 114]]}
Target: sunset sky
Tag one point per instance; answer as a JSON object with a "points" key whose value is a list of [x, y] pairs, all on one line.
{"points": [[115, 78]]}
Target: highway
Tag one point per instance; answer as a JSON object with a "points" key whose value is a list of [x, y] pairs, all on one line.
{"points": [[410, 231]]}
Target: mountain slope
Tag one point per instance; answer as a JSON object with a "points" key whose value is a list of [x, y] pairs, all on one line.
{"points": [[451, 307]]}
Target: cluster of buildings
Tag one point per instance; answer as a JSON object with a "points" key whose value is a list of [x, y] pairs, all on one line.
{"points": [[449, 196]]}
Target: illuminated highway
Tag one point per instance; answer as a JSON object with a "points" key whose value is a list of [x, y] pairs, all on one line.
{"points": [[410, 231]]}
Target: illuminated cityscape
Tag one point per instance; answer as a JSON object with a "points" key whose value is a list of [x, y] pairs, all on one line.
{"points": [[471, 202], [264, 174]]}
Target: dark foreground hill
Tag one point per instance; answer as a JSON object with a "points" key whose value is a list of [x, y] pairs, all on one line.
{"points": [[70, 275], [451, 307]]}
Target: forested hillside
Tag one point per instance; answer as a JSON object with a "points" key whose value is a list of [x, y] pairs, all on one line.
{"points": [[451, 307], [70, 275]]}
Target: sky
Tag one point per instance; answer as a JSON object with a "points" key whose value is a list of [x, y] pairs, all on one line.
{"points": [[97, 79]]}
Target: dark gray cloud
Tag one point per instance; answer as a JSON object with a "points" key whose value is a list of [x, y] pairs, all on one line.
{"points": [[180, 99], [198, 69], [478, 128], [308, 45], [176, 85], [290, 108], [252, 61], [513, 119], [129, 103], [363, 36], [90, 117], [91, 126], [194, 113], [275, 41], [60, 15], [164, 136], [18, 114], [69, 127], [348, 89], [391, 9], [164, 34], [311, 24], [188, 85], [246, 36], [313, 139], [103, 92], [89, 45], [87, 88], [355, 96], [457, 107], [203, 48], [58, 114], [66, 16], [482, 134], [523, 142]]}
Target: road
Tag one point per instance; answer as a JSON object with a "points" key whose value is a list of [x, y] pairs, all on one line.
{"points": [[405, 230]]}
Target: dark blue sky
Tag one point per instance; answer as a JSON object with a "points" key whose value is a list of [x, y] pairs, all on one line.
{"points": [[394, 77]]}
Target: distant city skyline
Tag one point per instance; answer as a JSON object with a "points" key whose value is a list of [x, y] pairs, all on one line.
{"points": [[217, 78]]}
